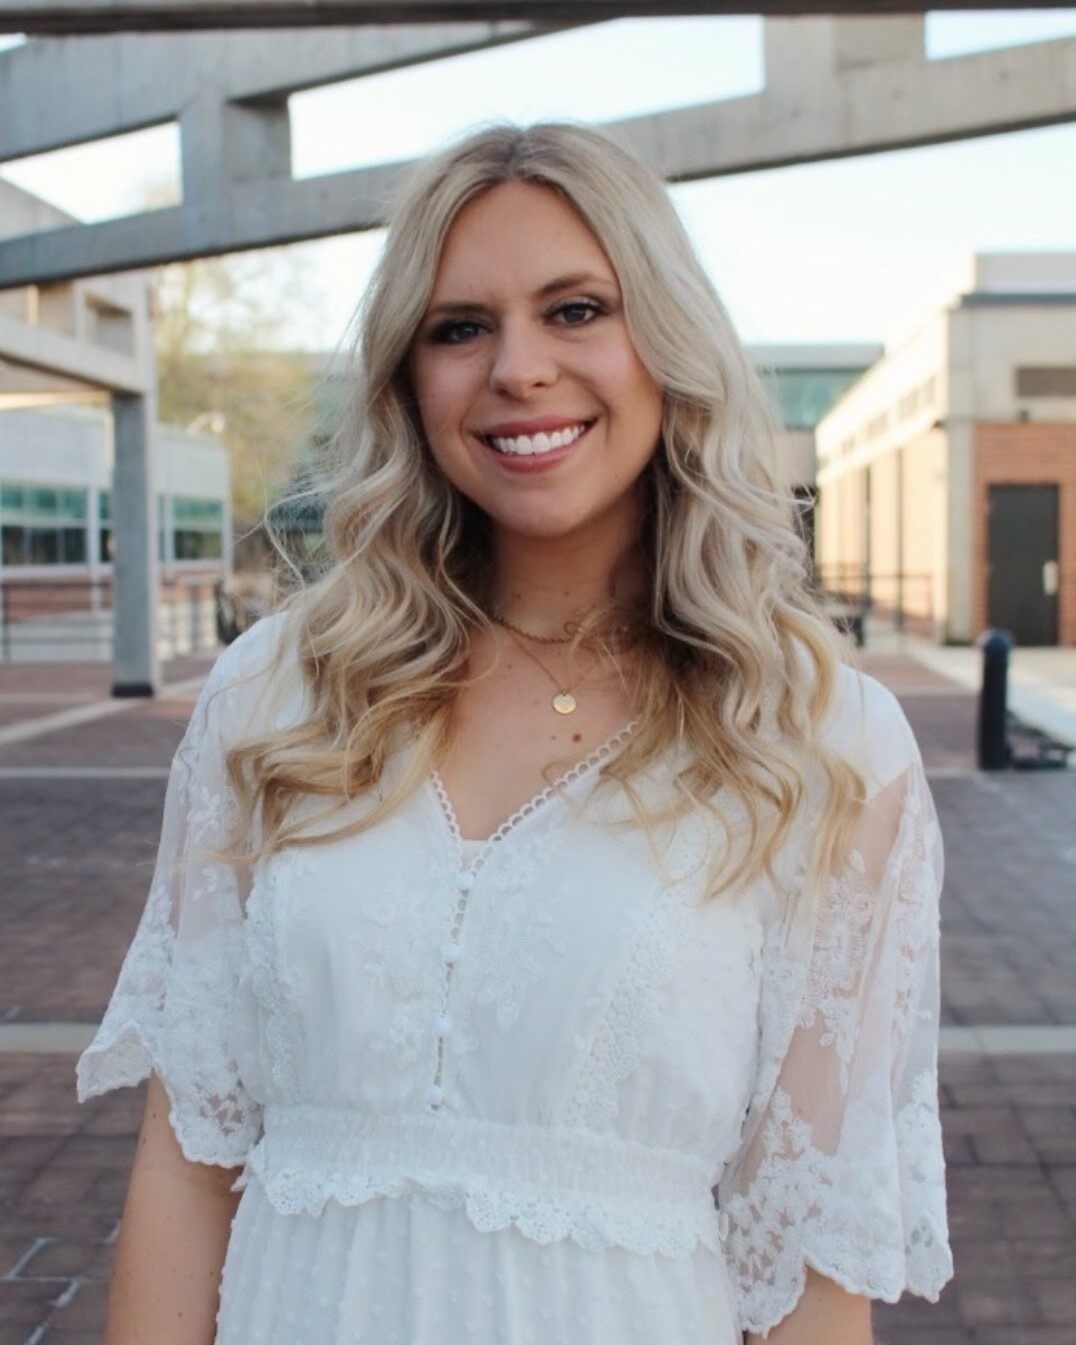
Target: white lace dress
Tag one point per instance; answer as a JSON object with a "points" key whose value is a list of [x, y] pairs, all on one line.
{"points": [[482, 1094]]}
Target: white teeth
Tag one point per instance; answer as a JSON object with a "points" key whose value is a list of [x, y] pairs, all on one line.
{"points": [[525, 445]]}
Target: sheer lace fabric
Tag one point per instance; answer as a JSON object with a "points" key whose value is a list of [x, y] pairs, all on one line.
{"points": [[841, 1164], [550, 1041]]}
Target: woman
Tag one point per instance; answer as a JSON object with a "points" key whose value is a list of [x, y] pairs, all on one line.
{"points": [[541, 867]]}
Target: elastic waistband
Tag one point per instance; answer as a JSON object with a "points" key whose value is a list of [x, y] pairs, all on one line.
{"points": [[337, 1142]]}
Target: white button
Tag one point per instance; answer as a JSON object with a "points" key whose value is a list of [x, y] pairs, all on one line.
{"points": [[465, 880], [443, 1026], [435, 1095], [450, 951]]}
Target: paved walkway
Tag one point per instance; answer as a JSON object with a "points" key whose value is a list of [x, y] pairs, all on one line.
{"points": [[1042, 682], [81, 805]]}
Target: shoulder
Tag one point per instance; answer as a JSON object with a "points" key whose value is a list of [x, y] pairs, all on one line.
{"points": [[867, 726], [257, 671]]}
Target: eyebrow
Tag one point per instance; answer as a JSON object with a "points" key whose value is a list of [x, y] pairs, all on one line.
{"points": [[551, 287]]}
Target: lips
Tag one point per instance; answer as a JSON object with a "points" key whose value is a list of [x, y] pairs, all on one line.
{"points": [[535, 460], [511, 429]]}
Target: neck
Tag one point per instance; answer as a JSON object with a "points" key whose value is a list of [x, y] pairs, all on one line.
{"points": [[543, 583]]}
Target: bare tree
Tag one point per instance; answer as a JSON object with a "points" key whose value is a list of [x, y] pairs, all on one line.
{"points": [[222, 327]]}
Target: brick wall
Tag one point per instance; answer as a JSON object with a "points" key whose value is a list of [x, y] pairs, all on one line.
{"points": [[1028, 454]]}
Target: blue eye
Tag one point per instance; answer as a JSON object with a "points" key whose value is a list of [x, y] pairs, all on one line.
{"points": [[589, 307], [449, 333]]}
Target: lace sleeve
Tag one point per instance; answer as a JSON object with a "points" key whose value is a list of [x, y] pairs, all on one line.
{"points": [[173, 1002], [841, 1163]]}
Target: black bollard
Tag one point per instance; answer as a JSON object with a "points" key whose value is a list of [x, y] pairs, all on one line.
{"points": [[994, 752]]}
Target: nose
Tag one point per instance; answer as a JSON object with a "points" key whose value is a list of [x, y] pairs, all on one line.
{"points": [[522, 361]]}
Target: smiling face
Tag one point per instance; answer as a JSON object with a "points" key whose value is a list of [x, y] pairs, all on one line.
{"points": [[533, 400]]}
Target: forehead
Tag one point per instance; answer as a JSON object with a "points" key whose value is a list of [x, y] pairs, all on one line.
{"points": [[513, 238]]}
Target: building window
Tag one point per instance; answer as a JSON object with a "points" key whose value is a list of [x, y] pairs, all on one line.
{"points": [[878, 426], [199, 528], [42, 525], [804, 396], [1053, 380], [106, 547]]}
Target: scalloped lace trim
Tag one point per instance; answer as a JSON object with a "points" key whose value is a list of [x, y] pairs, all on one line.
{"points": [[532, 805], [214, 1129], [638, 1226], [839, 1211]]}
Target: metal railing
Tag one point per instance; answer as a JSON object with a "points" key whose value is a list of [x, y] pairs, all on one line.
{"points": [[895, 600], [68, 619]]}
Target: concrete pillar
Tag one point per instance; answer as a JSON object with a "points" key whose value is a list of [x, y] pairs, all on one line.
{"points": [[960, 477], [223, 143], [135, 570], [859, 40]]}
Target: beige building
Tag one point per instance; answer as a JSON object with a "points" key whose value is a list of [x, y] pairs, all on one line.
{"points": [[947, 473], [804, 382]]}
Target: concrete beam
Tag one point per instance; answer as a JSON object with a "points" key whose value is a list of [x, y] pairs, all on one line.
{"points": [[100, 16], [116, 84], [223, 144], [845, 107], [250, 215], [39, 348]]}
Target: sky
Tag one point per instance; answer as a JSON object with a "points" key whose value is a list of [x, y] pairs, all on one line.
{"points": [[852, 250]]}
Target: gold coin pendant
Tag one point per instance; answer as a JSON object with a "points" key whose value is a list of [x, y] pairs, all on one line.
{"points": [[564, 703]]}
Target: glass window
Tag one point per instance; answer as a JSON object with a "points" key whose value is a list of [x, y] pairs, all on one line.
{"points": [[199, 527], [193, 544], [44, 500], [43, 546], [73, 546], [73, 504], [805, 395], [43, 504], [194, 513], [14, 544]]}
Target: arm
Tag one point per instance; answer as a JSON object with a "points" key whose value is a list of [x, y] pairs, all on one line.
{"points": [[176, 1222], [826, 1314]]}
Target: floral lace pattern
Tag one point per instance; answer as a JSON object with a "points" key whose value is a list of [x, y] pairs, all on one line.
{"points": [[850, 1177], [556, 1038], [174, 999], [662, 927], [511, 945]]}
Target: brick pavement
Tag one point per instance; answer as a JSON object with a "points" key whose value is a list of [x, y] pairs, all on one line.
{"points": [[80, 855]]}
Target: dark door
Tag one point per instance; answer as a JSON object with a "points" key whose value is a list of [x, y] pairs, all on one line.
{"points": [[1022, 574]]}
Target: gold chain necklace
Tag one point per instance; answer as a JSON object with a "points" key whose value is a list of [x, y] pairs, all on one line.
{"points": [[541, 639], [563, 702]]}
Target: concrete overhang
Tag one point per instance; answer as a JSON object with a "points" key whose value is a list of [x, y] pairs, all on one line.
{"points": [[110, 16], [821, 102], [38, 348], [130, 82]]}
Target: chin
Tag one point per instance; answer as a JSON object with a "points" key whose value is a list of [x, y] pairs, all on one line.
{"points": [[545, 528]]}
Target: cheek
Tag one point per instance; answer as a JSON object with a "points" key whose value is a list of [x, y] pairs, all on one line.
{"points": [[629, 381], [441, 390], [433, 389]]}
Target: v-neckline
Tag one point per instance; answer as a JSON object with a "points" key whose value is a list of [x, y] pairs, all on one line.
{"points": [[529, 808]]}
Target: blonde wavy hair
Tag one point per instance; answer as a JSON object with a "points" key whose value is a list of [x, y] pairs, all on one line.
{"points": [[729, 634]]}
